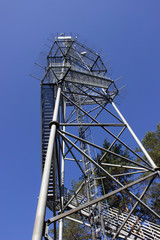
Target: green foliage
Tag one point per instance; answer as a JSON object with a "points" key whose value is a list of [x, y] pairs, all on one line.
{"points": [[151, 142], [75, 184], [75, 231], [155, 196], [121, 200]]}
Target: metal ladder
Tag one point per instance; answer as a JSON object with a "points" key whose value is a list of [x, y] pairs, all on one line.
{"points": [[96, 220]]}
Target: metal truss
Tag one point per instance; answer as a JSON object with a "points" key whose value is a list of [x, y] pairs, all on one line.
{"points": [[78, 113]]}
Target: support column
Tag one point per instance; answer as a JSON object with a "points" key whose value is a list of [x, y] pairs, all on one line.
{"points": [[41, 208], [62, 176]]}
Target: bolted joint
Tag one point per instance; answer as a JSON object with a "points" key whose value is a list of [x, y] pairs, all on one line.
{"points": [[54, 123], [157, 168]]}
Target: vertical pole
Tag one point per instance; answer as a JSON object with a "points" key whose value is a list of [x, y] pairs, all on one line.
{"points": [[135, 137], [54, 188], [41, 208], [62, 174]]}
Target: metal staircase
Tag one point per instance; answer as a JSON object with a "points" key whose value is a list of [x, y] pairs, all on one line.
{"points": [[134, 228]]}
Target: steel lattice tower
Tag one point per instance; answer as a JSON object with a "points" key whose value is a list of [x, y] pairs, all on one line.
{"points": [[78, 112]]}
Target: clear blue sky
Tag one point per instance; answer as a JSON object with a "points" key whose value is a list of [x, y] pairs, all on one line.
{"points": [[129, 34]]}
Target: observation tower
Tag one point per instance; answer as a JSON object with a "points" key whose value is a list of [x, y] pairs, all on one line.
{"points": [[78, 113]]}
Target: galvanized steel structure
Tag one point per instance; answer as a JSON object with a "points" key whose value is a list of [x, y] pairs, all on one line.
{"points": [[77, 98]]}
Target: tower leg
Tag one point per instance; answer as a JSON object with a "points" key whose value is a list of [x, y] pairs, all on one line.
{"points": [[62, 174], [135, 137], [41, 208]]}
